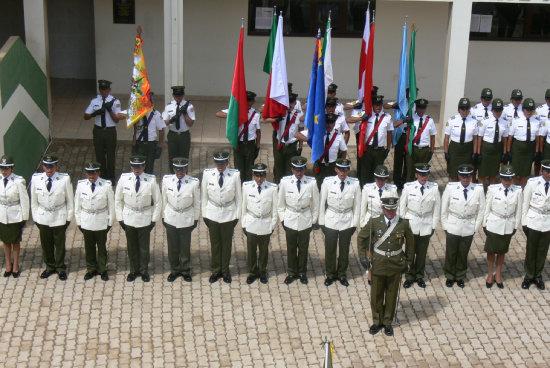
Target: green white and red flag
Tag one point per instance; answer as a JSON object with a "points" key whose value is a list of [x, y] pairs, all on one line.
{"points": [[238, 106]]}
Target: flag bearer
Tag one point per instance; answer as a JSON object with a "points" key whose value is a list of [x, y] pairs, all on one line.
{"points": [[179, 116]]}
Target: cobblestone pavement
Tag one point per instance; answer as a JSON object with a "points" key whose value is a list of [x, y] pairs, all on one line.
{"points": [[161, 324]]}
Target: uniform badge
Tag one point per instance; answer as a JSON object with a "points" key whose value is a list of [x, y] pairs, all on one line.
{"points": [[447, 124]]}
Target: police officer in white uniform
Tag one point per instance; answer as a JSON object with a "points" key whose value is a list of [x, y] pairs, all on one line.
{"points": [[149, 137], [535, 220], [179, 116], [105, 109], [181, 208], [501, 219], [339, 211], [543, 112], [514, 109], [482, 110], [94, 212], [138, 205], [423, 139], [259, 219], [298, 207], [462, 209], [221, 209], [14, 212], [52, 207], [341, 125], [420, 204]]}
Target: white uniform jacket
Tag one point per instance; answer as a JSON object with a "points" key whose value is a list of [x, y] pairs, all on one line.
{"points": [[14, 200], [371, 205], [502, 212], [459, 216], [536, 205], [259, 211], [141, 208], [94, 210], [221, 204], [181, 208], [340, 210], [54, 207], [298, 210], [422, 210]]}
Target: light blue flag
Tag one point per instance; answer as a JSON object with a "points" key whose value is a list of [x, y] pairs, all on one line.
{"points": [[401, 112], [310, 110]]}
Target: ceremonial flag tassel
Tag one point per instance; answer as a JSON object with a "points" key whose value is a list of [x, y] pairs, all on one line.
{"points": [[140, 102]]}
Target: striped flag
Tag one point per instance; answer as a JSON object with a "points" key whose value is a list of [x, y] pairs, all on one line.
{"points": [[238, 106], [327, 55], [140, 95], [366, 83], [403, 108]]}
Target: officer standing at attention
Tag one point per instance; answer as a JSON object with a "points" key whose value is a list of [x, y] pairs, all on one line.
{"points": [[179, 116], [339, 211], [94, 212], [535, 220], [221, 209], [460, 133], [138, 205], [298, 207], [180, 212], [259, 219], [420, 204], [146, 131], [250, 134], [462, 209], [514, 109], [14, 212], [331, 107], [483, 109], [106, 111], [385, 236], [500, 221], [52, 207], [543, 112]]}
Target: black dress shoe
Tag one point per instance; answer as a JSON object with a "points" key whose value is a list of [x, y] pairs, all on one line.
{"points": [[489, 285], [344, 281], [250, 279], [263, 278], [46, 274], [374, 329], [172, 277], [62, 275], [408, 283], [131, 276], [227, 278], [214, 277], [7, 273], [104, 276], [289, 279], [460, 283], [369, 282], [187, 278], [89, 275], [16, 274], [500, 285], [328, 281], [145, 277], [388, 330], [449, 283], [421, 283], [303, 279], [526, 284], [540, 284]]}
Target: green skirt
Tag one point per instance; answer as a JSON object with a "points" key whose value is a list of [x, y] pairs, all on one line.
{"points": [[522, 157], [490, 158], [459, 154], [497, 244], [11, 233]]}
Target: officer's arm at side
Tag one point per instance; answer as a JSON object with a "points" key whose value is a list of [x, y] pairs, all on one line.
{"points": [[481, 210], [527, 192], [322, 203], [409, 243]]}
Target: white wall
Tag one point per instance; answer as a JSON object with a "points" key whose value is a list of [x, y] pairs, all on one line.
{"points": [[114, 44]]}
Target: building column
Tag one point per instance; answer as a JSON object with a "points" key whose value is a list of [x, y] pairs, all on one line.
{"points": [[456, 58], [173, 46]]}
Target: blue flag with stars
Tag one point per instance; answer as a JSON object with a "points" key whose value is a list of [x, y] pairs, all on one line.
{"points": [[315, 112]]}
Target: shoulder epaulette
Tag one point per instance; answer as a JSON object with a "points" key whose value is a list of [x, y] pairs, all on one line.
{"points": [[248, 183], [106, 181], [82, 181], [516, 186], [167, 176], [493, 186], [37, 174], [125, 174], [192, 178], [309, 177], [62, 174], [233, 170], [209, 169], [533, 179], [451, 183], [328, 178], [287, 178], [391, 186], [270, 184], [411, 183]]}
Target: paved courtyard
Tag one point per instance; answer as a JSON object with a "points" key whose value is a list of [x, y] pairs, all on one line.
{"points": [[161, 324]]}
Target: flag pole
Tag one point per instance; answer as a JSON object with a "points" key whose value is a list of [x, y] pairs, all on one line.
{"points": [[242, 22]]}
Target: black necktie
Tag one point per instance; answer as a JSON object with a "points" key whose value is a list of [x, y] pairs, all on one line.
{"points": [[93, 187], [327, 141], [49, 185], [5, 182], [463, 131], [389, 223], [528, 138], [497, 131], [515, 112], [259, 189], [506, 191], [299, 185], [179, 185], [486, 113], [103, 122], [466, 193], [245, 135], [546, 187], [342, 186], [375, 137], [422, 190], [137, 183], [220, 180], [380, 192], [145, 132], [419, 128], [178, 117]]}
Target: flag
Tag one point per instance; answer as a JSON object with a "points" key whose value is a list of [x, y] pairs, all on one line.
{"points": [[276, 99], [140, 102], [366, 83], [315, 112], [327, 55], [412, 89], [403, 108], [363, 57], [238, 105], [270, 45]]}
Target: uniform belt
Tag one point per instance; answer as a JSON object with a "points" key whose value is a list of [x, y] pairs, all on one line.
{"points": [[179, 210], [137, 209], [248, 141], [540, 212], [179, 133], [303, 209], [289, 143], [268, 215], [418, 214], [95, 211], [459, 216], [499, 215], [223, 205], [9, 203], [52, 209], [98, 127], [421, 147], [340, 211], [388, 253]]}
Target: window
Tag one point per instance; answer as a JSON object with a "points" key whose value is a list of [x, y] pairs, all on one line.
{"points": [[304, 17], [510, 22]]}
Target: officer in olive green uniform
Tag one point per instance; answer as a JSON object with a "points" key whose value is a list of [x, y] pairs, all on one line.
{"points": [[385, 235]]}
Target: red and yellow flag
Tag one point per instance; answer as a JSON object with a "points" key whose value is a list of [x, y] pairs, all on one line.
{"points": [[140, 95]]}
